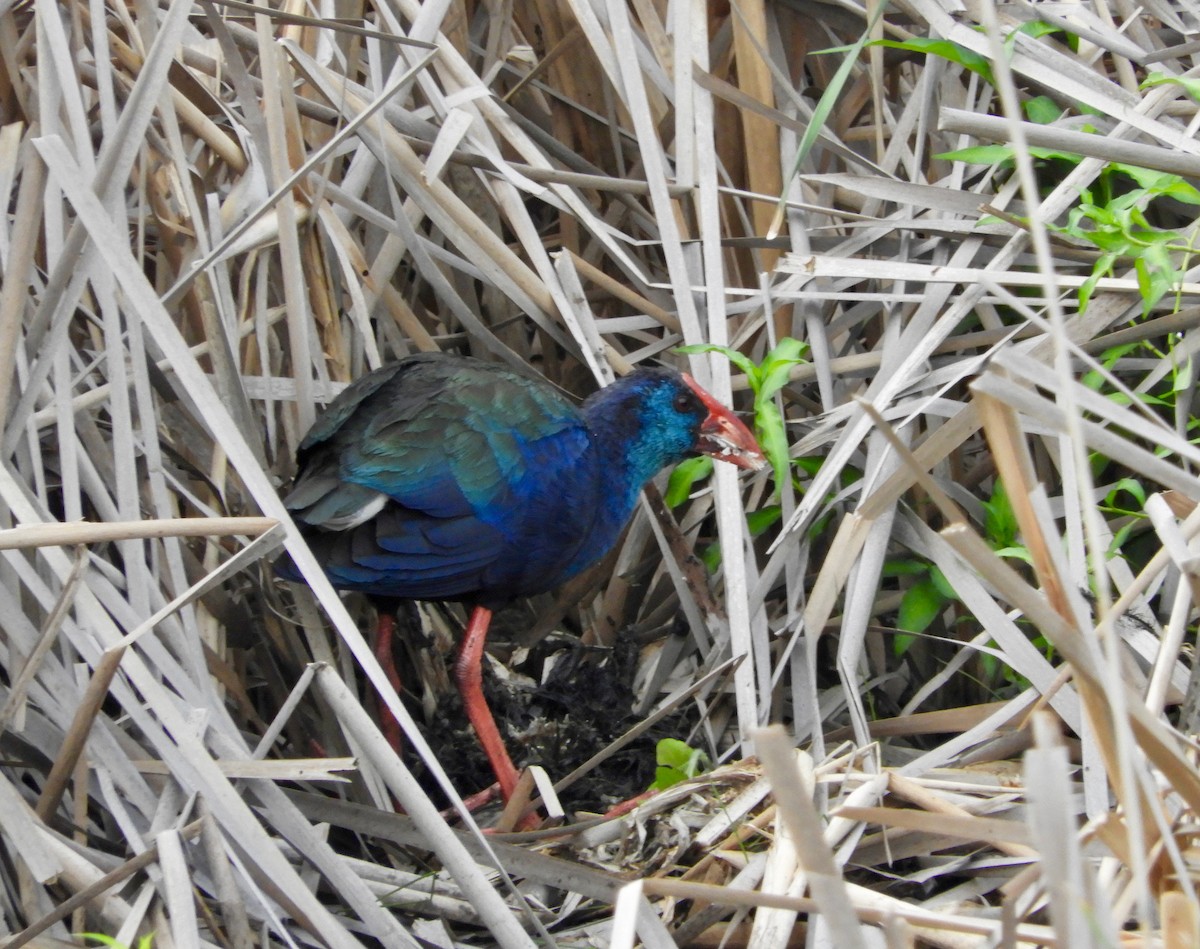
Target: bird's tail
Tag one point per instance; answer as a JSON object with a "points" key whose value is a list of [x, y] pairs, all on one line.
{"points": [[285, 568]]}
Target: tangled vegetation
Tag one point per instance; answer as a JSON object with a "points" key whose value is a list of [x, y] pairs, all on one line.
{"points": [[929, 679]]}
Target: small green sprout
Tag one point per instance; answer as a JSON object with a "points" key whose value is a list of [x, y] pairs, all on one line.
{"points": [[677, 762]]}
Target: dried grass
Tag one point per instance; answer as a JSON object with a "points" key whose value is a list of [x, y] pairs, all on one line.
{"points": [[216, 215]]}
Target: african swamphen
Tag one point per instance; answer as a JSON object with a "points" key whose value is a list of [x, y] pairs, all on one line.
{"points": [[447, 478]]}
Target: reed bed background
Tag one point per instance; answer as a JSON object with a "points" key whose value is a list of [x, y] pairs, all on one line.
{"points": [[217, 214]]}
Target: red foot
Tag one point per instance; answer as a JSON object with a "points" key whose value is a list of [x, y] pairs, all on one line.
{"points": [[385, 635], [485, 797], [620, 810], [468, 673]]}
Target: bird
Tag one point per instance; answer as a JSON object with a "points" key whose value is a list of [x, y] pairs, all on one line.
{"points": [[449, 478]]}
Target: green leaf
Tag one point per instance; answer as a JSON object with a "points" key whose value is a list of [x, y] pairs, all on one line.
{"points": [[905, 568], [1038, 28], [773, 375], [1102, 266], [946, 49], [743, 362], [1190, 86], [999, 154], [942, 584], [1179, 190], [1043, 110], [1112, 238], [920, 606], [789, 349], [673, 753], [1118, 541], [1145, 177], [684, 477], [759, 521], [776, 367], [772, 438], [1034, 28], [1047, 154], [1115, 354], [810, 464], [144, 942], [1130, 486], [1157, 183], [1183, 377], [999, 521], [766, 380], [979, 155], [1154, 282], [677, 761]]}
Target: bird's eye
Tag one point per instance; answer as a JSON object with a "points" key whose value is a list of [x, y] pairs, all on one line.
{"points": [[683, 402]]}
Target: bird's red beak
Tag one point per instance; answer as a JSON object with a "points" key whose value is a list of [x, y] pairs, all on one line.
{"points": [[724, 437]]}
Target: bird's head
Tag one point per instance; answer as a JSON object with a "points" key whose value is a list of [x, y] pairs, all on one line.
{"points": [[722, 435], [667, 417]]}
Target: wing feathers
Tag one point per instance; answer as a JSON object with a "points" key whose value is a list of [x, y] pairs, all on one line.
{"points": [[419, 477]]}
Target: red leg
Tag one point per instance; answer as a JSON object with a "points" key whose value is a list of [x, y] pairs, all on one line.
{"points": [[468, 673], [384, 641]]}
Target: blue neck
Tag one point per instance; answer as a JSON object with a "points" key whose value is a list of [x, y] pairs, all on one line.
{"points": [[628, 449], [630, 452]]}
